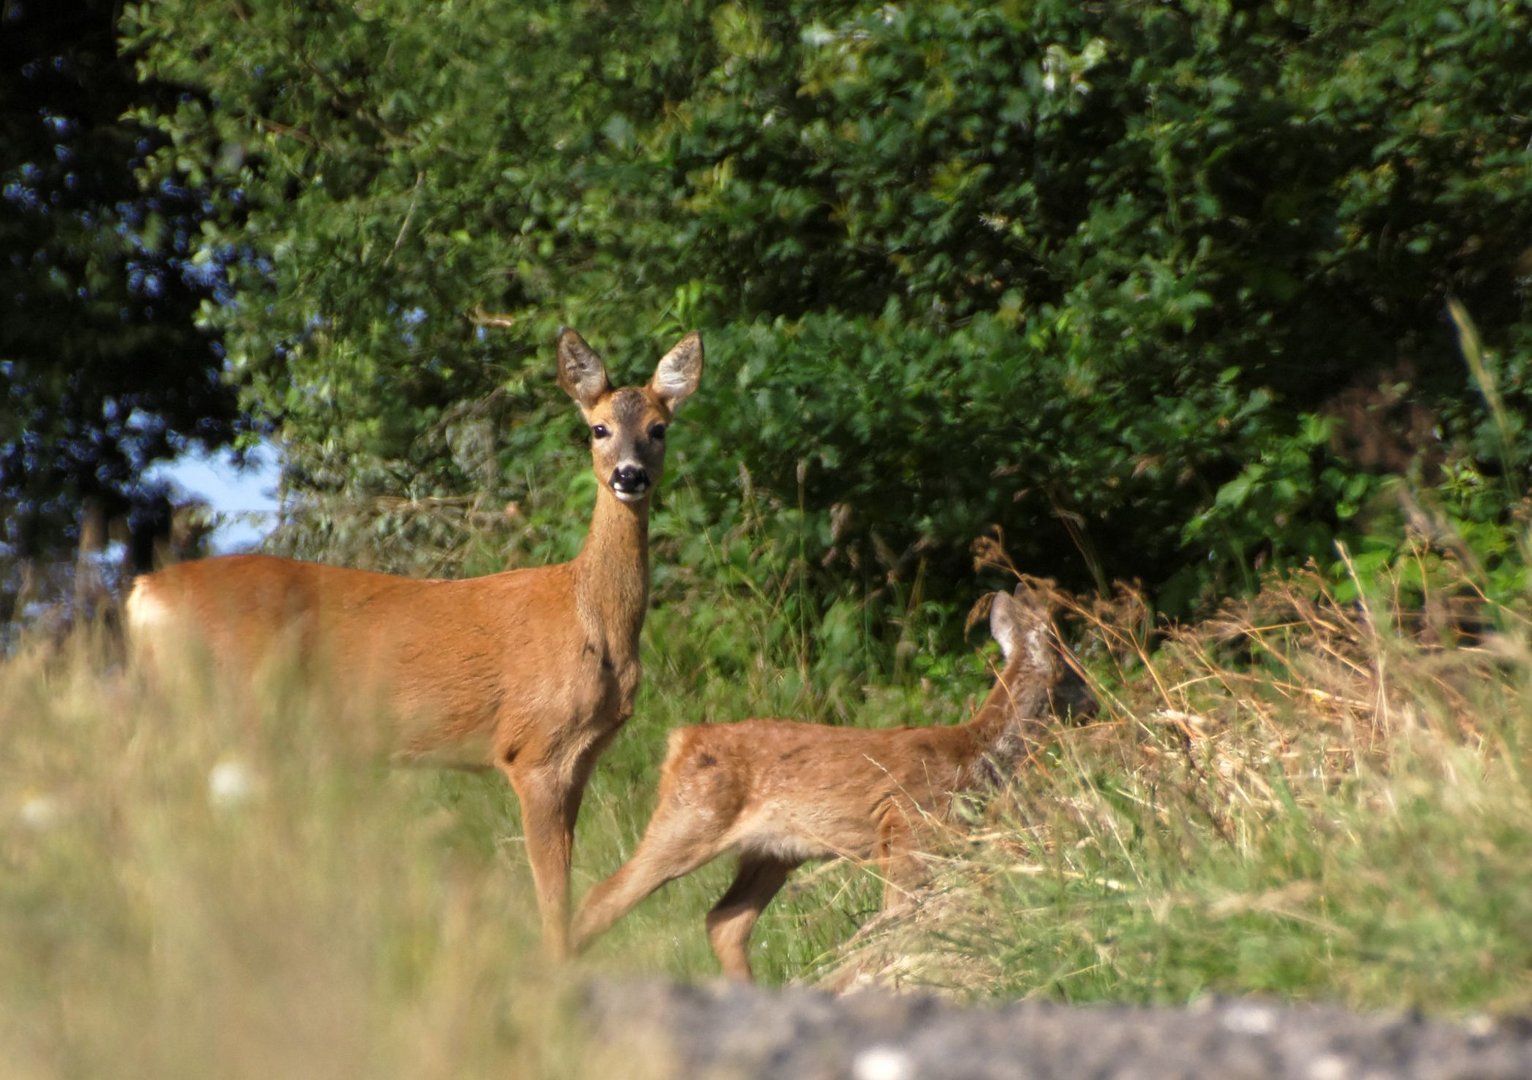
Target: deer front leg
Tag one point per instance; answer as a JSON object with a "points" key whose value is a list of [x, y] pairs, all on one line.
{"points": [[551, 787], [733, 918], [549, 804]]}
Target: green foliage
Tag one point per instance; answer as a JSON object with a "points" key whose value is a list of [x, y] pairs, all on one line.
{"points": [[1152, 288], [101, 371]]}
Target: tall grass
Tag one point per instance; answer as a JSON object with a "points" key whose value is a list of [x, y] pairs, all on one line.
{"points": [[1305, 797], [193, 876], [206, 883]]}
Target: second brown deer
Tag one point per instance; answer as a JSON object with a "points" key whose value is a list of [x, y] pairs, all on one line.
{"points": [[539, 663], [780, 793]]}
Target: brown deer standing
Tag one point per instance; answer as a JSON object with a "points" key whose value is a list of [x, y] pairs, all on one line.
{"points": [[780, 793], [542, 661]]}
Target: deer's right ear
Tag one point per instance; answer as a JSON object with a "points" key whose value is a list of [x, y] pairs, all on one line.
{"points": [[581, 372], [679, 372]]}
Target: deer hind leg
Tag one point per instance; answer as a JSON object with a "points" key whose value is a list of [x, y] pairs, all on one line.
{"points": [[676, 842], [898, 854], [733, 918]]}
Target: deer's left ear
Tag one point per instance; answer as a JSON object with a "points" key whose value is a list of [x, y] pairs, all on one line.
{"points": [[679, 372]]}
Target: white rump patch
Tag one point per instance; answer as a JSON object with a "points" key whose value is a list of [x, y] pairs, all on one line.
{"points": [[145, 611]]}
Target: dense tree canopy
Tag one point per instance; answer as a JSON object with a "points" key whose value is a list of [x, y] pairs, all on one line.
{"points": [[1159, 288], [103, 369]]}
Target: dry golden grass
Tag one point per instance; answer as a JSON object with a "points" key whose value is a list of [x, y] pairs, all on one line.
{"points": [[1302, 796]]}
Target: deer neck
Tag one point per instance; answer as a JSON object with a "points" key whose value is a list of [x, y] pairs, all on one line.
{"points": [[1018, 698], [612, 573]]}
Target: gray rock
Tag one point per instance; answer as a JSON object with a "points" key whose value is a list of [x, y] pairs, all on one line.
{"points": [[801, 1034]]}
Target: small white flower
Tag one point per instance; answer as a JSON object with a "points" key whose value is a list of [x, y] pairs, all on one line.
{"points": [[40, 810], [231, 782]]}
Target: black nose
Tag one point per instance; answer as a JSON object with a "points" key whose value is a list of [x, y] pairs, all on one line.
{"points": [[630, 479]]}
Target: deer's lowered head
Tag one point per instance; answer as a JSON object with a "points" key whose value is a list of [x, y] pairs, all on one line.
{"points": [[1033, 685]]}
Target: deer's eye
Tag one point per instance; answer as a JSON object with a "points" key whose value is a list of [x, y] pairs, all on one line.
{"points": [[600, 431], [657, 432]]}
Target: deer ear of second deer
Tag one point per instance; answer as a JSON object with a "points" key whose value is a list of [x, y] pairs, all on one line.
{"points": [[779, 793], [540, 664]]}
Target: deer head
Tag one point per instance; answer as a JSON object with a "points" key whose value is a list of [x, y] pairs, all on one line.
{"points": [[628, 426]]}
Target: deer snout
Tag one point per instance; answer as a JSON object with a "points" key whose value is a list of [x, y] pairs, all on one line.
{"points": [[630, 482]]}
